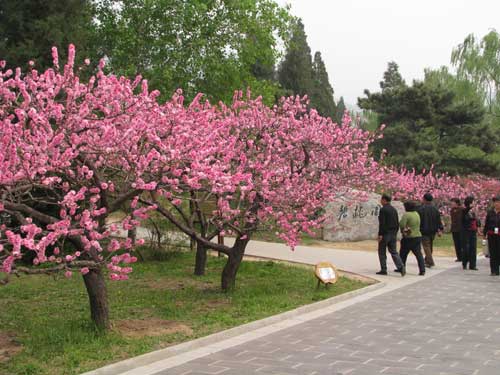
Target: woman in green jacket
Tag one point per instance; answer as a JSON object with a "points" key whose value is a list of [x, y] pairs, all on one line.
{"points": [[412, 238]]}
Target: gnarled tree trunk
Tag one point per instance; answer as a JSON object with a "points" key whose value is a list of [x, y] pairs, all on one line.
{"points": [[235, 256], [98, 298], [201, 259]]}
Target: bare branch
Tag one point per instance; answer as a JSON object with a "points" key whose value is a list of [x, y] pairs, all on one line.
{"points": [[189, 231]]}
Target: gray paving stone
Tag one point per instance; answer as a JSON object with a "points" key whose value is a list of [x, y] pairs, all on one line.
{"points": [[447, 324]]}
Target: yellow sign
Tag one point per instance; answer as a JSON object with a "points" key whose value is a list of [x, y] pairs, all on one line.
{"points": [[326, 273]]}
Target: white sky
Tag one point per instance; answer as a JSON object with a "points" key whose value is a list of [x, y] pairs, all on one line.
{"points": [[358, 37]]}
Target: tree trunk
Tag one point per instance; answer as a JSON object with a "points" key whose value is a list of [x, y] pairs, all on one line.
{"points": [[234, 259], [132, 234], [201, 259], [98, 298]]}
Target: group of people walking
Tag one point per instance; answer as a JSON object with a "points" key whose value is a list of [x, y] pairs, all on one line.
{"points": [[421, 224]]}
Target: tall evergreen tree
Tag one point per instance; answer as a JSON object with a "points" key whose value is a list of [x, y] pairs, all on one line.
{"points": [[296, 70], [340, 110], [392, 77], [30, 28], [322, 97]]}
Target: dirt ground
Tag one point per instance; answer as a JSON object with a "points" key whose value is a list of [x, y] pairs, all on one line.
{"points": [[8, 346], [149, 327]]}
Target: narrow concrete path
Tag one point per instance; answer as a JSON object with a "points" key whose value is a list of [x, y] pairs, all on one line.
{"points": [[360, 262], [448, 324]]}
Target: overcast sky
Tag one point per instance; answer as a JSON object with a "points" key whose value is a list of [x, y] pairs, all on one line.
{"points": [[358, 37]]}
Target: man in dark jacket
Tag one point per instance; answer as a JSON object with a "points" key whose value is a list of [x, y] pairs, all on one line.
{"points": [[491, 232], [456, 214], [430, 224], [387, 236]]}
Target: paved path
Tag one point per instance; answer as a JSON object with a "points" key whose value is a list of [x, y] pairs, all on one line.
{"points": [[448, 324], [360, 262]]}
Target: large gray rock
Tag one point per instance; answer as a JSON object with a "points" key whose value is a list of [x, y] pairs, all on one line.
{"points": [[354, 219]]}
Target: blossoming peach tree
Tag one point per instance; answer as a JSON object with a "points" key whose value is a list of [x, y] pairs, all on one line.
{"points": [[71, 154], [408, 184], [272, 167]]}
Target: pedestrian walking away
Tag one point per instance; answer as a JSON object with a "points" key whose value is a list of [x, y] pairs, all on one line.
{"points": [[456, 215], [470, 226], [430, 225], [387, 236], [412, 238], [491, 233]]}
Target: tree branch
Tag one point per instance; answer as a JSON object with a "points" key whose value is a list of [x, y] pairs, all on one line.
{"points": [[122, 199], [47, 271], [189, 231], [28, 211]]}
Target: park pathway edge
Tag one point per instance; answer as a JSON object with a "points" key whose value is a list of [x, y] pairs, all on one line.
{"points": [[239, 333], [151, 363]]}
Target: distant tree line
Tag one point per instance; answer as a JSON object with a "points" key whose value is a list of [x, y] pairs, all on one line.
{"points": [[449, 121], [212, 47]]}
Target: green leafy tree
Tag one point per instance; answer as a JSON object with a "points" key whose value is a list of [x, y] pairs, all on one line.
{"points": [[438, 121], [213, 46], [322, 96], [478, 62], [30, 28]]}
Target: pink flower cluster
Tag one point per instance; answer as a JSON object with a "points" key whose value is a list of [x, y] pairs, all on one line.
{"points": [[71, 153]]}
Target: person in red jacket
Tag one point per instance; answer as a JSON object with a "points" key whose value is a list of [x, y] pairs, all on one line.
{"points": [[491, 232]]}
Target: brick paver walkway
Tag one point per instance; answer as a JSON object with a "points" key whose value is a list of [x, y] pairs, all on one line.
{"points": [[448, 324]]}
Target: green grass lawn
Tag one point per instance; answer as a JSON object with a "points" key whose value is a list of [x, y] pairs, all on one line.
{"points": [[445, 241], [49, 318], [445, 246]]}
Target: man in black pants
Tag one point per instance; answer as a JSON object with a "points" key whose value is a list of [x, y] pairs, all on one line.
{"points": [[456, 214], [491, 231], [430, 224], [387, 236]]}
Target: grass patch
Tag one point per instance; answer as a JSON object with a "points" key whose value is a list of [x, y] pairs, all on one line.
{"points": [[269, 236], [445, 246], [49, 318], [445, 241]]}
